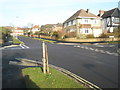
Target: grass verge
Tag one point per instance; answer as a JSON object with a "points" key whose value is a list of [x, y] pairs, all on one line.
{"points": [[113, 42], [35, 78], [50, 41], [16, 41]]}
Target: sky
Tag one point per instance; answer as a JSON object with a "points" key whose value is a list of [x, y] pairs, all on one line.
{"points": [[40, 12]]}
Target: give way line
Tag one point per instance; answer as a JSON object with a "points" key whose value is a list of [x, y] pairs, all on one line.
{"points": [[22, 45]]}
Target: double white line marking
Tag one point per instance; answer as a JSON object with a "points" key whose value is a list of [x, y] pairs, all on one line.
{"points": [[22, 45]]}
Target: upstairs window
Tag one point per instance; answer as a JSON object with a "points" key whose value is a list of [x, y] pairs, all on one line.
{"points": [[116, 20], [74, 22], [65, 24], [86, 20], [69, 24]]}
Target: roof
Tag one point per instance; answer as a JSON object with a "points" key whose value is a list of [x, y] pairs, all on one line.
{"points": [[36, 26], [112, 13], [81, 13], [18, 28]]}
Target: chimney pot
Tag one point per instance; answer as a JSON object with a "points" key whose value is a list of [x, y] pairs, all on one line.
{"points": [[88, 10], [101, 12]]}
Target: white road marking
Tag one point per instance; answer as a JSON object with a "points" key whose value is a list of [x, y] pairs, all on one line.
{"points": [[111, 45], [21, 46], [100, 46], [25, 46], [102, 51], [82, 47], [78, 46], [97, 50], [74, 46], [86, 48], [91, 49], [109, 52]]}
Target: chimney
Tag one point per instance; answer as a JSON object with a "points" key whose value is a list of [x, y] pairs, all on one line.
{"points": [[88, 10], [101, 12]]}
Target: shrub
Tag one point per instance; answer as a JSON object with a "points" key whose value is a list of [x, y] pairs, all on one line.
{"points": [[103, 35], [90, 36], [70, 35], [116, 32]]}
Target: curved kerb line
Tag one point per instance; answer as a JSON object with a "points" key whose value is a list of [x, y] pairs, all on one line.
{"points": [[74, 76]]}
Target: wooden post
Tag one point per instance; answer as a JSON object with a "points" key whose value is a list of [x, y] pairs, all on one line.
{"points": [[44, 59], [47, 67]]}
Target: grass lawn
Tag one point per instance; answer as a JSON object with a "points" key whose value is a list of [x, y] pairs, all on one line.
{"points": [[113, 42], [45, 40], [35, 78], [16, 41]]}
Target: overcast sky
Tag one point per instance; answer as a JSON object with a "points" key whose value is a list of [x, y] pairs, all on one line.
{"points": [[40, 12]]}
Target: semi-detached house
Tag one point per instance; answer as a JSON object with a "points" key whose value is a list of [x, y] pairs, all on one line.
{"points": [[17, 31], [84, 23]]}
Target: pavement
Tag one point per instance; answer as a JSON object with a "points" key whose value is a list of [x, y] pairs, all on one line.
{"points": [[11, 74], [88, 61]]}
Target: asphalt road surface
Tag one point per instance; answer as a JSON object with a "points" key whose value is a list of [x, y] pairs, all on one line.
{"points": [[95, 63]]}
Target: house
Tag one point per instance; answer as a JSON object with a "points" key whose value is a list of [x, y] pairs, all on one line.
{"points": [[52, 27], [35, 28], [17, 31], [57, 27], [83, 23], [111, 19]]}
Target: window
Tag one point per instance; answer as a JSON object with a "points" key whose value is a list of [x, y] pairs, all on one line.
{"points": [[95, 21], [86, 31], [74, 22], [65, 24], [116, 20], [86, 20], [69, 24]]}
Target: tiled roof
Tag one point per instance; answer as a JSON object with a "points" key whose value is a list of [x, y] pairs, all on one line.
{"points": [[18, 28], [36, 26], [80, 13], [114, 12]]}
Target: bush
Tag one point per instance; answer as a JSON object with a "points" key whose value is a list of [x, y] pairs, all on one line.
{"points": [[70, 35], [90, 36], [116, 32], [103, 35]]}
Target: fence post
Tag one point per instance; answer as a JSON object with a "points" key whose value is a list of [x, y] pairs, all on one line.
{"points": [[47, 67], [44, 59]]}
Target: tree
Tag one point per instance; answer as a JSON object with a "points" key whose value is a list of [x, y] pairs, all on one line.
{"points": [[5, 31]]}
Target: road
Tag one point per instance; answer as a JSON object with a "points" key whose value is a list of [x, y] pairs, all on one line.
{"points": [[95, 63]]}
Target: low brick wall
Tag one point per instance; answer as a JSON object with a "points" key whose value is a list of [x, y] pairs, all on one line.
{"points": [[1, 41], [81, 40], [91, 39]]}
